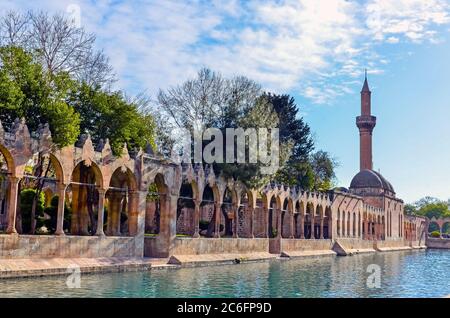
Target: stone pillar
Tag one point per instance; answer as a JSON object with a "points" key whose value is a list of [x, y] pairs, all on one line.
{"points": [[218, 208], [61, 188], [197, 217], [12, 204], [302, 226], [292, 227], [321, 228], [279, 221], [252, 222], [266, 222], [366, 230], [312, 226], [134, 212], [101, 208], [236, 221]]}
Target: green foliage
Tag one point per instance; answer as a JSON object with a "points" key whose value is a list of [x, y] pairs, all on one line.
{"points": [[108, 115], [27, 91], [152, 194], [429, 207], [52, 212], [323, 166], [410, 209], [435, 234], [26, 203]]}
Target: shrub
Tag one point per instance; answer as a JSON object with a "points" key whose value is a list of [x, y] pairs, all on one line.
{"points": [[26, 203], [435, 234]]}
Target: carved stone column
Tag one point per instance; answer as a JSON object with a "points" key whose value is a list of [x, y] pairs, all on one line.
{"points": [[321, 228], [292, 227], [197, 203], [61, 188], [218, 208], [12, 204], [302, 226], [101, 208], [236, 221], [312, 226]]}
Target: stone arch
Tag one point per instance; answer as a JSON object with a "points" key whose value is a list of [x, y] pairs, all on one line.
{"points": [[10, 165], [309, 220], [85, 181], [273, 208], [286, 212], [209, 197], [227, 216], [245, 214], [433, 226], [328, 223], [186, 209], [344, 225], [156, 204], [121, 204]]}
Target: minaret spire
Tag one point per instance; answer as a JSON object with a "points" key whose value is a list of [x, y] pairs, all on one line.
{"points": [[366, 122]]}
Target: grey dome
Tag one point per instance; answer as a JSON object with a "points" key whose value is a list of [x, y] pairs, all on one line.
{"points": [[370, 179]]}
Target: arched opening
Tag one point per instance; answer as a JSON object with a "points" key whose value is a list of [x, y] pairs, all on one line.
{"points": [[338, 224], [4, 191], [81, 218], [446, 229], [354, 225], [285, 219], [227, 215], [156, 205], [348, 225], [186, 210], [119, 203], [359, 224], [272, 229], [260, 216], [344, 234], [37, 214], [319, 214], [433, 227], [309, 217], [245, 217], [299, 217], [328, 223], [207, 212]]}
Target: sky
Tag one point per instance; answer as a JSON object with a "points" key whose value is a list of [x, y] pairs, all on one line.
{"points": [[313, 50]]}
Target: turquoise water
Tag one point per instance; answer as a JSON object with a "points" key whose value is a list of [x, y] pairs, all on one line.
{"points": [[403, 274]]}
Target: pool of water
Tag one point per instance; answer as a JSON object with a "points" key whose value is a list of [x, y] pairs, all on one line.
{"points": [[402, 274]]}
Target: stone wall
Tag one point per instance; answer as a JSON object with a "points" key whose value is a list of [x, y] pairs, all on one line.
{"points": [[355, 243], [305, 245], [438, 243], [392, 243], [46, 246], [196, 246]]}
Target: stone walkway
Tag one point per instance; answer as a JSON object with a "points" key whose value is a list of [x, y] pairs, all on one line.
{"points": [[14, 268]]}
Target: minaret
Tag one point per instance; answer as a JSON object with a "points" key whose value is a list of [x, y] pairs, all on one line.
{"points": [[366, 122]]}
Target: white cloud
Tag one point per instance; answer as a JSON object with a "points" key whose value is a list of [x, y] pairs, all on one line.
{"points": [[315, 48]]}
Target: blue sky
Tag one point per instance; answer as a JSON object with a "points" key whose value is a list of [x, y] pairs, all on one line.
{"points": [[313, 50]]}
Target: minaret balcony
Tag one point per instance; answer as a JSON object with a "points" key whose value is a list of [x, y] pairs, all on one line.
{"points": [[366, 122]]}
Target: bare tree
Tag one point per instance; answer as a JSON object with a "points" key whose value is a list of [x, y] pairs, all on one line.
{"points": [[58, 44], [208, 100], [14, 29]]}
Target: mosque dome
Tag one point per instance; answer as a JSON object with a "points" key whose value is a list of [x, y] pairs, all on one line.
{"points": [[370, 179]]}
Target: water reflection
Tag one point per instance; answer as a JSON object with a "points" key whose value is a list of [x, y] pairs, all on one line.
{"points": [[403, 274]]}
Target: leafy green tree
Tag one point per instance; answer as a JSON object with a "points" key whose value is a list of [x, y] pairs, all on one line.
{"points": [[108, 115], [410, 209], [26, 202], [323, 166], [297, 170], [26, 91]]}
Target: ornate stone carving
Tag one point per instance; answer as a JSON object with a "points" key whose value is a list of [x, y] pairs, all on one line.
{"points": [[107, 154], [88, 152]]}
